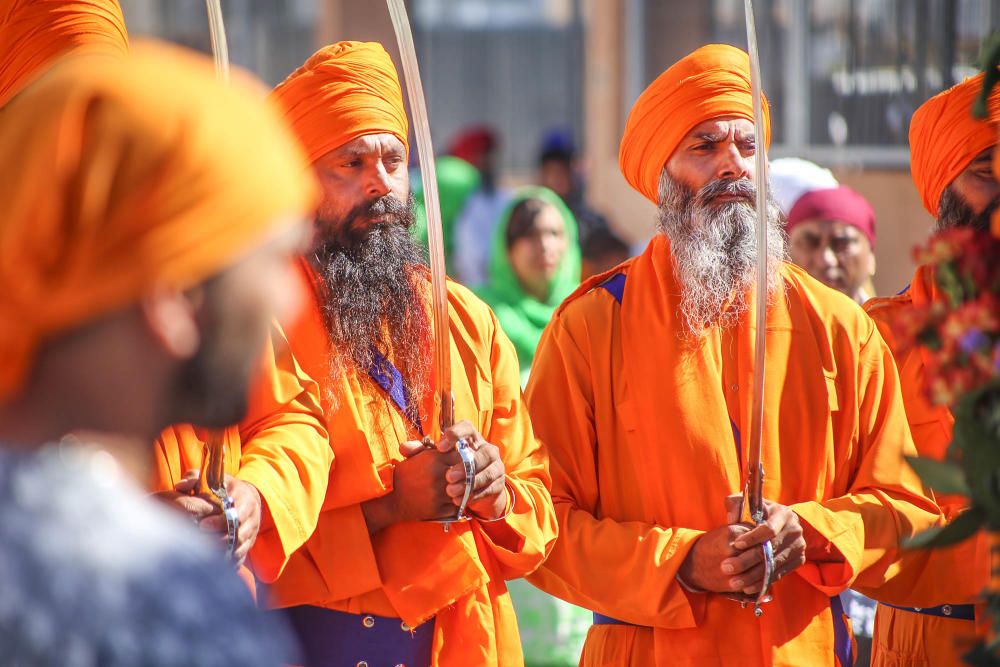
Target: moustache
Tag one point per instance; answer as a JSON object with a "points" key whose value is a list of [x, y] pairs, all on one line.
{"points": [[357, 224], [387, 206], [740, 189]]}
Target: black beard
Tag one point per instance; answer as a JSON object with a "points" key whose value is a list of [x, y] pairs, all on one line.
{"points": [[953, 211], [373, 304]]}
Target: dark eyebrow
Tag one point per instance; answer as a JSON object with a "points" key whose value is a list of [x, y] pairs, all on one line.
{"points": [[981, 159]]}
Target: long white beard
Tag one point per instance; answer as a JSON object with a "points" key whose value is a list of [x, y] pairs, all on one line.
{"points": [[715, 251]]}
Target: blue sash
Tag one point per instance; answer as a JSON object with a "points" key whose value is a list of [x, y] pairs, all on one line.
{"points": [[388, 377]]}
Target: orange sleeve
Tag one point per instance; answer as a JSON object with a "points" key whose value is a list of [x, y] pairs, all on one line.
{"points": [[521, 541], [286, 455], [597, 562], [886, 502]]}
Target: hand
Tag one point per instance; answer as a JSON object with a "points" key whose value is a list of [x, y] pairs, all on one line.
{"points": [[702, 567], [207, 514], [781, 526], [248, 504], [489, 491], [418, 493]]}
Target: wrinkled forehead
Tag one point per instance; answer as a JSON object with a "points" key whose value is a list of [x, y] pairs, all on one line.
{"points": [[722, 128]]}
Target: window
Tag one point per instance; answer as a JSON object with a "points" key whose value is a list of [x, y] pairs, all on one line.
{"points": [[849, 73]]}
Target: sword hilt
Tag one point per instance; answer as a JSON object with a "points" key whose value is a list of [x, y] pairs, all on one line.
{"points": [[752, 512]]}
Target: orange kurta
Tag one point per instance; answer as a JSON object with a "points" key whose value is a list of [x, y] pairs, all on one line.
{"points": [[956, 575], [644, 445], [281, 448], [416, 571]]}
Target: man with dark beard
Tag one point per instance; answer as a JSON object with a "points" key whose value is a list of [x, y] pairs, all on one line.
{"points": [[950, 160], [642, 390], [380, 583]]}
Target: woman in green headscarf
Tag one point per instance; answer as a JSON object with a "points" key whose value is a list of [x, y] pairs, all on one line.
{"points": [[534, 265]]}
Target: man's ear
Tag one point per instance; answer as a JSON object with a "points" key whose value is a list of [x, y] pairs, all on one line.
{"points": [[170, 317]]}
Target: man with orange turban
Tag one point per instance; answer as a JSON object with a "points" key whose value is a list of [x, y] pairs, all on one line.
{"points": [[642, 391], [380, 582], [151, 217], [278, 458], [35, 33], [951, 156]]}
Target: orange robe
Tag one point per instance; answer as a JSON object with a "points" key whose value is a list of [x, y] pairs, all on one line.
{"points": [[281, 448], [416, 571], [645, 444], [955, 575]]}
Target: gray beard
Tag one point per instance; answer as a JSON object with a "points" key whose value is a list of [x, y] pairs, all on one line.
{"points": [[714, 250]]}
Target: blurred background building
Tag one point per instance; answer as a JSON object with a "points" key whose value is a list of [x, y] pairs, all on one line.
{"points": [[843, 77]]}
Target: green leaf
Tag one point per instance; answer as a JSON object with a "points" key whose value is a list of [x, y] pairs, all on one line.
{"points": [[964, 526], [943, 477]]}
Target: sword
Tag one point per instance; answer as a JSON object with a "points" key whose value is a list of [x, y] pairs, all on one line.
{"points": [[435, 242], [212, 481], [212, 485], [752, 510]]}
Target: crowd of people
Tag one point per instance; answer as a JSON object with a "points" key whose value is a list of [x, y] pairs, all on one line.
{"points": [[194, 267]]}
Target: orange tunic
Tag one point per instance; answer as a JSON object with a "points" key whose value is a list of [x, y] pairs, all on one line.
{"points": [[281, 448], [955, 575], [416, 571], [644, 440]]}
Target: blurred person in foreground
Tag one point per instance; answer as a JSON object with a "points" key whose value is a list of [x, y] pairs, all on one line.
{"points": [[831, 234], [951, 155], [150, 218], [36, 33], [642, 389]]}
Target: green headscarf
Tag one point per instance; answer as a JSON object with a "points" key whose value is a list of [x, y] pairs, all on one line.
{"points": [[457, 179], [524, 317]]}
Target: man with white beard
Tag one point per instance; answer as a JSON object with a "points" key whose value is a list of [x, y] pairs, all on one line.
{"points": [[642, 389]]}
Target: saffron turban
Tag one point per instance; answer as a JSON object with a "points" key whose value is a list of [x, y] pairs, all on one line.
{"points": [[121, 175], [342, 92], [945, 138], [34, 33], [711, 82]]}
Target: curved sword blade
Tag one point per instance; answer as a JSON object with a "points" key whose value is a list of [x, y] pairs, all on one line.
{"points": [[753, 497], [217, 33], [435, 235]]}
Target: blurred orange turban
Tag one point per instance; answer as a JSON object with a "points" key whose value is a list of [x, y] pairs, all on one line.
{"points": [[711, 82], [945, 138], [125, 174], [34, 33], [344, 91]]}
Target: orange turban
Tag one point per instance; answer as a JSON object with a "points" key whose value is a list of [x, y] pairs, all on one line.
{"points": [[711, 82], [125, 174], [945, 138], [344, 91], [34, 33]]}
